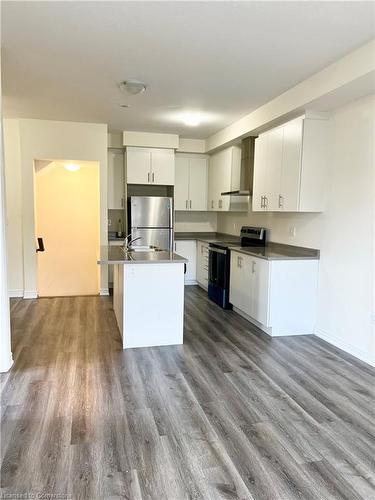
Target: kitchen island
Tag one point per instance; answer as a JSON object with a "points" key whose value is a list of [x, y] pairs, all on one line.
{"points": [[148, 295]]}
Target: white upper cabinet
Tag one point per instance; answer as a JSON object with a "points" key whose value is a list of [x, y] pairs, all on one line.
{"points": [[222, 165], [150, 166], [191, 183], [181, 188], [116, 179], [291, 167]]}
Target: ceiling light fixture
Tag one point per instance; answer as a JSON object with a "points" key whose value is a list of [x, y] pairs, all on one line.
{"points": [[124, 105], [133, 87], [72, 168], [192, 119]]}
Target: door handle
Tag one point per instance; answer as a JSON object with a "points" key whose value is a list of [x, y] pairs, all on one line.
{"points": [[40, 245]]}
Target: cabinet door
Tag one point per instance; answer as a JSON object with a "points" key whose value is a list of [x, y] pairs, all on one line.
{"points": [[212, 201], [240, 282], [273, 170], [260, 272], [116, 185], [181, 188], [188, 249], [138, 165], [291, 166], [197, 184], [162, 167], [202, 264], [260, 172], [224, 170]]}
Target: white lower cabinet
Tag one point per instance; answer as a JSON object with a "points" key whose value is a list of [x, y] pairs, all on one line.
{"points": [[202, 264], [188, 249], [279, 296]]}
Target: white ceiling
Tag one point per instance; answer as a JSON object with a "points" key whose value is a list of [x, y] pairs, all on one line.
{"points": [[63, 60]]}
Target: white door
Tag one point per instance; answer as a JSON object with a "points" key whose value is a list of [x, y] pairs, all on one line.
{"points": [[138, 166], [260, 272], [240, 282], [116, 186], [162, 167], [291, 166], [197, 184], [260, 172], [188, 249], [181, 188], [274, 161]]}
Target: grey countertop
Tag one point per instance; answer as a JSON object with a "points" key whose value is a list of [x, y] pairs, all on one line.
{"points": [[272, 251], [207, 237], [116, 255], [279, 251]]}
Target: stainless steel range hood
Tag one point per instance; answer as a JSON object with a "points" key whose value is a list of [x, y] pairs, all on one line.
{"points": [[242, 178]]}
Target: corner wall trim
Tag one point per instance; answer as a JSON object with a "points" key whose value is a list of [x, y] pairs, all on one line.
{"points": [[8, 366], [345, 346], [104, 291], [30, 294], [15, 293]]}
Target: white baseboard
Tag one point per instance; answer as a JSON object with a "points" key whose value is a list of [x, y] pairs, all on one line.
{"points": [[345, 346], [104, 291], [191, 282], [30, 294], [15, 293]]}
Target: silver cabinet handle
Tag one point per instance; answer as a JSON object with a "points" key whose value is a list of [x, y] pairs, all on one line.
{"points": [[148, 177], [253, 266], [262, 202], [122, 202], [186, 204], [281, 201], [220, 203], [212, 203], [239, 262], [190, 204], [265, 202], [153, 177]]}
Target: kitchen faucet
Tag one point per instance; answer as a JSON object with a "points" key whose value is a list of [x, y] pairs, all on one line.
{"points": [[128, 243]]}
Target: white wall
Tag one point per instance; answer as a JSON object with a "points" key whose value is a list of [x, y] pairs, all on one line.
{"points": [[14, 207], [54, 140], [344, 233]]}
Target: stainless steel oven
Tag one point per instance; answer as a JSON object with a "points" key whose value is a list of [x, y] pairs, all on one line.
{"points": [[219, 274]]}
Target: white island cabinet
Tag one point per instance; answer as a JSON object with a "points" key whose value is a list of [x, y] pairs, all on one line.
{"points": [[148, 296]]}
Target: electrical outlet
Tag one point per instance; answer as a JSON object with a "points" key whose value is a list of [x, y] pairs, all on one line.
{"points": [[292, 231]]}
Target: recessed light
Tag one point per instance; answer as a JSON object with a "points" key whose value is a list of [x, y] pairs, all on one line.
{"points": [[72, 168], [133, 87]]}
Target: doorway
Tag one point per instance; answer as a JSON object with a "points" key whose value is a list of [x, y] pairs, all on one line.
{"points": [[67, 208]]}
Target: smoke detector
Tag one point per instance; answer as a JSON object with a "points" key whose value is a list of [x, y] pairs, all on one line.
{"points": [[133, 87]]}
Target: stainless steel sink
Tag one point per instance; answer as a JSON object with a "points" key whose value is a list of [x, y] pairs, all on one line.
{"points": [[142, 248]]}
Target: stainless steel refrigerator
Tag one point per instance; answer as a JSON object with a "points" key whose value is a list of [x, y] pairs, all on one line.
{"points": [[151, 218]]}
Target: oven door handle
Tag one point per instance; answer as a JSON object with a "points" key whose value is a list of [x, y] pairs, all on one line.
{"points": [[217, 250]]}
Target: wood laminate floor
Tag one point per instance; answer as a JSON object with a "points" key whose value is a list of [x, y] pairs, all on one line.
{"points": [[231, 414]]}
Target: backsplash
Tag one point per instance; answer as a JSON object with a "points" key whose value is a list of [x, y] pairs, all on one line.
{"points": [[195, 221]]}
